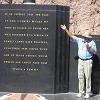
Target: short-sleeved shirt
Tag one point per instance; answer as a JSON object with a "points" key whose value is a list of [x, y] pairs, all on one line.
{"points": [[83, 52]]}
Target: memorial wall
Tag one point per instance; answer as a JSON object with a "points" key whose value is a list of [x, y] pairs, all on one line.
{"points": [[33, 49]]}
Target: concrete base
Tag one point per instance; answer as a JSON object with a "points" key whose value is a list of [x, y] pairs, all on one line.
{"points": [[31, 96]]}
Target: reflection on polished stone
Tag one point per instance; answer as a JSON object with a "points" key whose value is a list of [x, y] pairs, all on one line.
{"points": [[20, 96]]}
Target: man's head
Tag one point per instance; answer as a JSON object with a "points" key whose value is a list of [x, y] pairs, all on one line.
{"points": [[87, 36]]}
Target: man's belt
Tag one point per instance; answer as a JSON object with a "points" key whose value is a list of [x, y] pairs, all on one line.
{"points": [[86, 59]]}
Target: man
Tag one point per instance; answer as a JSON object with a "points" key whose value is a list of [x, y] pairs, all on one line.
{"points": [[86, 49]]}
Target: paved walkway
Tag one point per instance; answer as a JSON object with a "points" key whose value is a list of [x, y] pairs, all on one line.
{"points": [[30, 96], [69, 96]]}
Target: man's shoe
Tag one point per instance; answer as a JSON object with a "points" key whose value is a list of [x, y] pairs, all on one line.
{"points": [[87, 96], [79, 95]]}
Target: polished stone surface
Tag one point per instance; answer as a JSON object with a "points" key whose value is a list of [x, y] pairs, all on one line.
{"points": [[31, 96]]}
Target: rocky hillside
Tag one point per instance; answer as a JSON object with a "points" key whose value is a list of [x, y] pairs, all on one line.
{"points": [[84, 14]]}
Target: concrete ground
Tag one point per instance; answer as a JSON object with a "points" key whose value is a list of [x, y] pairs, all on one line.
{"points": [[30, 96]]}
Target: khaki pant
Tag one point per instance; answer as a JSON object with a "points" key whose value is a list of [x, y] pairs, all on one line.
{"points": [[84, 75]]}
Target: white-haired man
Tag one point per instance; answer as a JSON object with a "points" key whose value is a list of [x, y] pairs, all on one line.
{"points": [[86, 49]]}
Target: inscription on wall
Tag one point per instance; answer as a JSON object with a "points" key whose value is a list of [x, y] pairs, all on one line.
{"points": [[25, 39], [27, 49]]}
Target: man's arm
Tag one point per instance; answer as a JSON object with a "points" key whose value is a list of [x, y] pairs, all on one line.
{"points": [[92, 50], [66, 30]]}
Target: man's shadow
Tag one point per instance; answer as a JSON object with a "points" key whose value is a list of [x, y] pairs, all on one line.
{"points": [[96, 74]]}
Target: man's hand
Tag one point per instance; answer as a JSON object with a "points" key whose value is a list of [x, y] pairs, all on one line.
{"points": [[90, 49], [63, 27], [87, 45], [66, 30]]}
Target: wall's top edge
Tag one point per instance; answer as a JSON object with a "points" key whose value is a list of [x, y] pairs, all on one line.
{"points": [[34, 6]]}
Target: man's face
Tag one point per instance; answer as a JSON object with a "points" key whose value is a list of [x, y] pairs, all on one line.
{"points": [[87, 39]]}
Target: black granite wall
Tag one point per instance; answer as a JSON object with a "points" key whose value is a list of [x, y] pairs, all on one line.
{"points": [[33, 48]]}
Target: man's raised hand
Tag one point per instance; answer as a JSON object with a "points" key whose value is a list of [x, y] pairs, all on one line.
{"points": [[67, 31], [63, 27]]}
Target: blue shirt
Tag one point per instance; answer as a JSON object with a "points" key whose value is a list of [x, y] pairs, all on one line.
{"points": [[83, 52]]}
